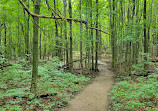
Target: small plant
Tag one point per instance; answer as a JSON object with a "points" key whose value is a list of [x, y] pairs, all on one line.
{"points": [[139, 69], [56, 86], [128, 95]]}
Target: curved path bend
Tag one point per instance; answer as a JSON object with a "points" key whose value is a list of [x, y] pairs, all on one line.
{"points": [[93, 97]]}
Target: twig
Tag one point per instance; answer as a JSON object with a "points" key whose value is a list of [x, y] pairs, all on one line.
{"points": [[52, 8]]}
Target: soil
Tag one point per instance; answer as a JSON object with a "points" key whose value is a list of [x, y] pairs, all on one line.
{"points": [[93, 97]]}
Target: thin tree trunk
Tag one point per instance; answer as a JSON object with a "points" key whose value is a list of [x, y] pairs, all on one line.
{"points": [[40, 44], [81, 31], [150, 20], [145, 38], [92, 47], [113, 36], [27, 36], [56, 33], [96, 50], [88, 45], [70, 22], [60, 49], [45, 48], [5, 40], [65, 31], [137, 33]]}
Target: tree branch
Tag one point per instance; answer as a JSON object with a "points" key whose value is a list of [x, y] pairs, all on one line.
{"points": [[52, 8], [41, 16], [67, 65], [98, 30], [60, 18]]}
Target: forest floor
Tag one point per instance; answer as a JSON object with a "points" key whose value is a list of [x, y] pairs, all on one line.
{"points": [[93, 97]]}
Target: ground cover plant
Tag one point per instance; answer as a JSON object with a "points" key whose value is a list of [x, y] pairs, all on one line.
{"points": [[135, 95], [55, 87]]}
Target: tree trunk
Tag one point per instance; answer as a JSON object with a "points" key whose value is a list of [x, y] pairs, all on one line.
{"points": [[65, 31], [60, 49], [40, 47], [145, 38], [81, 31], [96, 50], [5, 40], [27, 36], [35, 48], [92, 47], [70, 22], [56, 33], [87, 36], [113, 36]]}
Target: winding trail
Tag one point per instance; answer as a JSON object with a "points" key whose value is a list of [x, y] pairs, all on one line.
{"points": [[94, 97]]}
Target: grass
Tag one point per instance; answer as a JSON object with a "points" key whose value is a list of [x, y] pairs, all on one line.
{"points": [[135, 95], [55, 87]]}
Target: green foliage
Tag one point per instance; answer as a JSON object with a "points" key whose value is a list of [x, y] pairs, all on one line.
{"points": [[11, 108], [139, 68], [57, 84], [133, 96]]}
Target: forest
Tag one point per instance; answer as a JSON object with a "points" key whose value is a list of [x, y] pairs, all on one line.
{"points": [[78, 55]]}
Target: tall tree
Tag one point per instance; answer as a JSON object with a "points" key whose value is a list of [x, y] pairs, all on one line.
{"points": [[56, 33], [97, 38], [113, 35], [27, 35], [91, 34], [81, 31], [87, 44], [35, 47], [70, 22], [5, 40], [65, 31], [145, 37]]}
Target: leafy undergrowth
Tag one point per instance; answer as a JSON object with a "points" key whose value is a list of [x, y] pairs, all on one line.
{"points": [[55, 87], [135, 95]]}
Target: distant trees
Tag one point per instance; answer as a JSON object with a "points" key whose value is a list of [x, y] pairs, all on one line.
{"points": [[69, 28], [131, 33]]}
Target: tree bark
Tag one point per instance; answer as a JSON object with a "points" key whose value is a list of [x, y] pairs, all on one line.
{"points": [[35, 47], [65, 31], [87, 34], [56, 32], [145, 38], [5, 40], [113, 35], [40, 47], [81, 31], [91, 34], [27, 36], [96, 43], [70, 22]]}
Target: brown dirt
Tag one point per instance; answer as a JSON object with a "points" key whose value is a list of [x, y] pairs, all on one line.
{"points": [[94, 97]]}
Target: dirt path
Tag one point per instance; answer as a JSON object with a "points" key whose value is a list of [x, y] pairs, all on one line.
{"points": [[94, 97]]}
